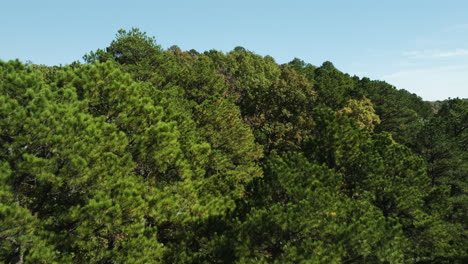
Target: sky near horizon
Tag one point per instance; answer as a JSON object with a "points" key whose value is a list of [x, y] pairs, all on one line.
{"points": [[420, 46]]}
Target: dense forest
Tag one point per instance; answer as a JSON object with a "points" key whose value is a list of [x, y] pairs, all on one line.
{"points": [[149, 155]]}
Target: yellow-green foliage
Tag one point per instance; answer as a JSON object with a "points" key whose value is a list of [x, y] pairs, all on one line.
{"points": [[363, 112]]}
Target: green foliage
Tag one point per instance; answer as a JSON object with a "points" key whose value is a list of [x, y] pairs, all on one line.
{"points": [[137, 53], [146, 155], [302, 216], [20, 231], [443, 143], [363, 111], [306, 69], [333, 86], [274, 100], [400, 112]]}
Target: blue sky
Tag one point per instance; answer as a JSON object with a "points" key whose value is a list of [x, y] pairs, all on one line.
{"points": [[421, 46]]}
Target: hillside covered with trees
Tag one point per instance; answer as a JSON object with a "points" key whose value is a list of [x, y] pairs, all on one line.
{"points": [[148, 155]]}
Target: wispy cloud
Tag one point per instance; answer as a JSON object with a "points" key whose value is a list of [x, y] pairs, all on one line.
{"points": [[435, 83], [457, 28], [427, 71], [425, 54]]}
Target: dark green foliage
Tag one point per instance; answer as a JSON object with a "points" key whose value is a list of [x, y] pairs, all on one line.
{"points": [[274, 100], [301, 215], [137, 53], [307, 69], [333, 86], [400, 112], [146, 155], [443, 142]]}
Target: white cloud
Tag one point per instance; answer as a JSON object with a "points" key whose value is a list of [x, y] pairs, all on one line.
{"points": [[433, 83], [422, 54], [454, 68], [455, 53], [457, 28]]}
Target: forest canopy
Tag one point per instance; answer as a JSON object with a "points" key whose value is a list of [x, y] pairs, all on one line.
{"points": [[150, 155]]}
